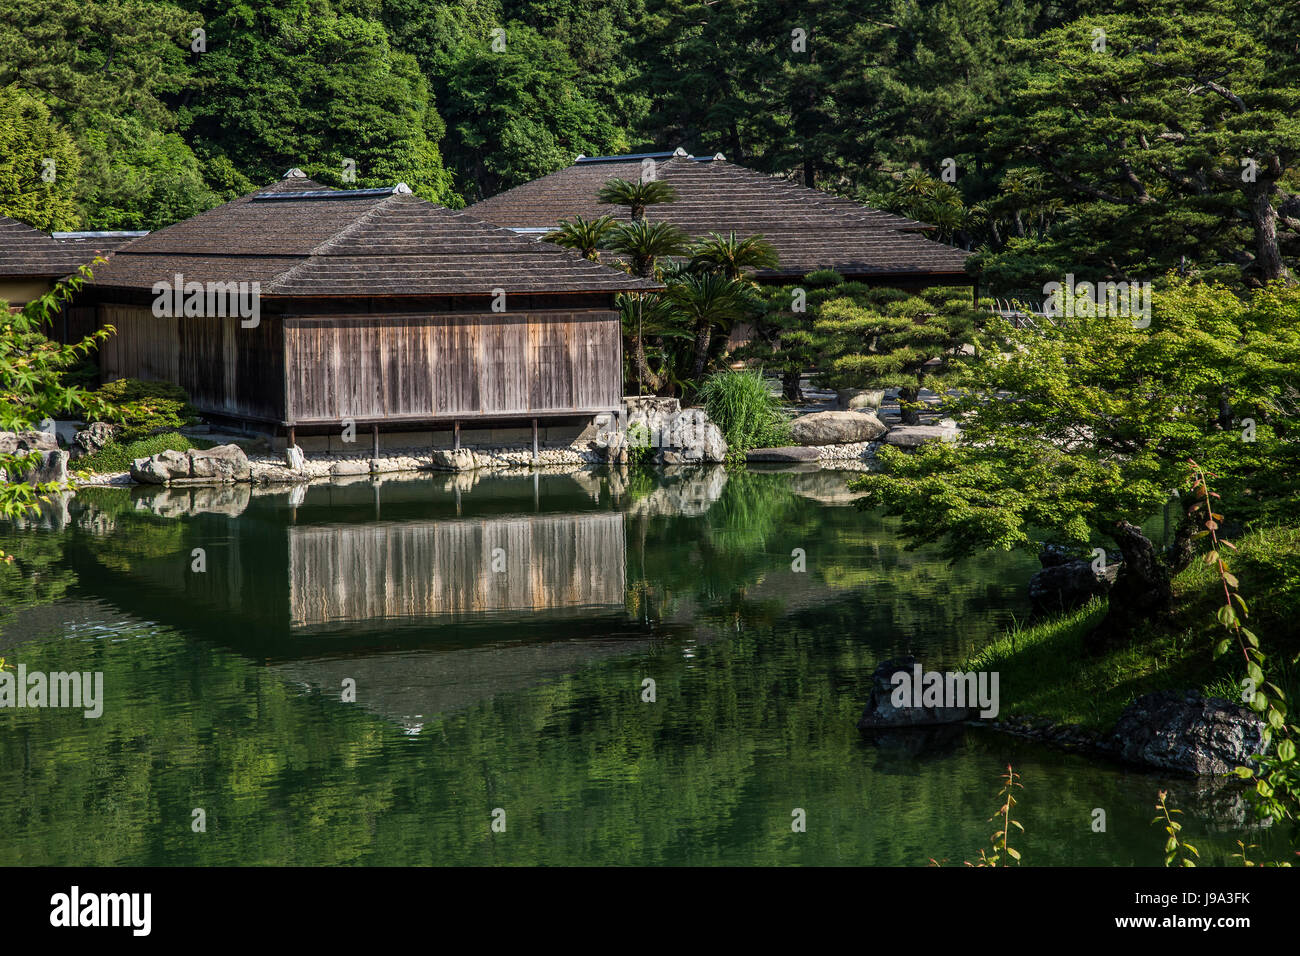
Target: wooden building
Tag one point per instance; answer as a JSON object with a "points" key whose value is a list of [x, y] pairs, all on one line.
{"points": [[372, 306], [809, 229]]}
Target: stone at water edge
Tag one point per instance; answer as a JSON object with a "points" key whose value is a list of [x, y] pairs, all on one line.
{"points": [[881, 713], [294, 458], [161, 468], [836, 428], [913, 436], [1187, 732], [224, 463], [785, 453], [447, 459]]}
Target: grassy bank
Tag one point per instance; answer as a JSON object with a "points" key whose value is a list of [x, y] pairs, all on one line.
{"points": [[1045, 673]]}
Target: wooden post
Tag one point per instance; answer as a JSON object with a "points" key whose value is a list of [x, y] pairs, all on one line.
{"points": [[534, 440], [455, 428], [374, 431], [292, 439]]}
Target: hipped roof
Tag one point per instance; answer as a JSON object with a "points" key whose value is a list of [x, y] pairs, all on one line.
{"points": [[299, 238], [808, 228]]}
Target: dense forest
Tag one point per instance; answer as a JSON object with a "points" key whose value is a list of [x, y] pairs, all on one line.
{"points": [[1113, 138]]}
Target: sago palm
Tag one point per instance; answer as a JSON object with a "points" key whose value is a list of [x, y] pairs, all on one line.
{"points": [[636, 196], [586, 236], [645, 243], [708, 303], [732, 256]]}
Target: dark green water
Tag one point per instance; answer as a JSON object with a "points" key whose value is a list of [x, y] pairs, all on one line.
{"points": [[498, 634]]}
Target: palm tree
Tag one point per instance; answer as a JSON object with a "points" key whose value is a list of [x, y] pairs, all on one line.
{"points": [[732, 256], [586, 236], [646, 313], [620, 192], [708, 302], [644, 243]]}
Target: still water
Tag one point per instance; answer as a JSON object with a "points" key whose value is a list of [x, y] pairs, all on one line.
{"points": [[497, 635]]}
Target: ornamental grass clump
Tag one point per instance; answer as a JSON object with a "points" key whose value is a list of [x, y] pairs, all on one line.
{"points": [[746, 411]]}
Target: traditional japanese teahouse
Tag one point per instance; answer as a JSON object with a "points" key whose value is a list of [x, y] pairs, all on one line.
{"points": [[299, 309], [809, 229], [31, 261]]}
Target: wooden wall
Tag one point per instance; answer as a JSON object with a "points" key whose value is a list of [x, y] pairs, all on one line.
{"points": [[413, 367], [227, 369]]}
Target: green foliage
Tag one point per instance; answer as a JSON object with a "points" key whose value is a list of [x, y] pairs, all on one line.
{"points": [[1074, 428], [312, 84], [136, 176], [145, 408], [1178, 852], [30, 135], [869, 337], [32, 388], [645, 243], [517, 113], [1144, 143], [111, 73], [1276, 773], [747, 413]]}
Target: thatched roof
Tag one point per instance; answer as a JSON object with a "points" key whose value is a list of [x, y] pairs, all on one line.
{"points": [[298, 238], [31, 254], [809, 229]]}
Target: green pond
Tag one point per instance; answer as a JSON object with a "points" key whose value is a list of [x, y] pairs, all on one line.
{"points": [[373, 672]]}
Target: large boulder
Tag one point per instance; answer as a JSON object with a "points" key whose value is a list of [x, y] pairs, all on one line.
{"points": [[836, 428], [914, 436], [881, 713], [53, 467], [162, 468], [447, 459], [17, 442], [698, 440], [1187, 732], [1067, 582], [92, 438], [220, 465], [224, 464]]}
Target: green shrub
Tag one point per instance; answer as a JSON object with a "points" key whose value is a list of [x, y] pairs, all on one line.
{"points": [[746, 411], [147, 408], [640, 449], [822, 279]]}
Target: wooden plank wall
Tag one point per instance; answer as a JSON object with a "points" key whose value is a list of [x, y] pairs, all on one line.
{"points": [[371, 572], [227, 369], [445, 366]]}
